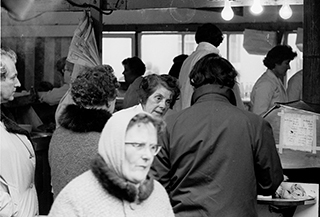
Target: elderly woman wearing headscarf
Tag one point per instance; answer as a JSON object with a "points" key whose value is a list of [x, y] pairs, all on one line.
{"points": [[118, 183]]}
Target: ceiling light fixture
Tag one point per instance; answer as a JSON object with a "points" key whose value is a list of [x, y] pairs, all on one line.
{"points": [[256, 7], [227, 12], [285, 11]]}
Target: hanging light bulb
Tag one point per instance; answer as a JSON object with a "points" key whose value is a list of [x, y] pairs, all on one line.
{"points": [[285, 11], [227, 12], [256, 7]]}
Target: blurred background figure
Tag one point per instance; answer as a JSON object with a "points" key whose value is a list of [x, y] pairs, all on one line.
{"points": [[216, 157], [75, 142], [52, 97], [177, 64], [208, 37], [294, 89], [269, 88], [134, 69], [157, 93], [118, 183], [18, 196]]}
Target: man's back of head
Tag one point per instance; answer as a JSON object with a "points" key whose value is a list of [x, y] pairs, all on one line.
{"points": [[210, 33]]}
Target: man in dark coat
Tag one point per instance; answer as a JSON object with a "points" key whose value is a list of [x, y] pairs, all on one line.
{"points": [[215, 157]]}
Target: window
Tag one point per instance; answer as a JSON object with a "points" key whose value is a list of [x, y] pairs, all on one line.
{"points": [[115, 48], [159, 48], [158, 51], [297, 63], [249, 67]]}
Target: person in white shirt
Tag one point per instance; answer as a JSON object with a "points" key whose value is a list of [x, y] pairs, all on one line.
{"points": [[208, 37], [53, 97], [269, 88]]}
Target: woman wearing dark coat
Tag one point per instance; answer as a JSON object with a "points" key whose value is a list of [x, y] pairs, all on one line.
{"points": [[75, 142]]}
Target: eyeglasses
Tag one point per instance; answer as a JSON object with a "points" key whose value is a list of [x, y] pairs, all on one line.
{"points": [[154, 149]]}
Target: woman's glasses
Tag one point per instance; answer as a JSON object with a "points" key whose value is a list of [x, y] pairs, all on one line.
{"points": [[154, 149]]}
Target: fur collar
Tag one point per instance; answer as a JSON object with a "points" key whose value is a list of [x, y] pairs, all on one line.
{"points": [[119, 187], [83, 120]]}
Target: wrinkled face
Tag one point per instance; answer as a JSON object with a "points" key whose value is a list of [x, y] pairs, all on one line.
{"points": [[11, 82], [158, 103], [139, 157], [281, 69]]}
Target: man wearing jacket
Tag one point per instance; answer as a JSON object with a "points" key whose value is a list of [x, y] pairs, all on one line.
{"points": [[216, 157]]}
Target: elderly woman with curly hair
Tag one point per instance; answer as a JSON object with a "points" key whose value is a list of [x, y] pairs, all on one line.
{"points": [[118, 184], [75, 142], [157, 94]]}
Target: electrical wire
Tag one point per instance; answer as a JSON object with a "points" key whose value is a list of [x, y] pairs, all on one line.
{"points": [[85, 5], [24, 20]]}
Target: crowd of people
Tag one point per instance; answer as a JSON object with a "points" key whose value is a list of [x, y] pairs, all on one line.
{"points": [[182, 145]]}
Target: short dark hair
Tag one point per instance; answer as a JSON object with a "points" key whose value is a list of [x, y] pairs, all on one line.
{"points": [[6, 52], [150, 83], [277, 55], [213, 69], [210, 33], [177, 64], [136, 65], [95, 87]]}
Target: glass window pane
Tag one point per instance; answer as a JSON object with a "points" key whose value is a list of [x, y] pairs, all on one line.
{"points": [[297, 63], [158, 51], [223, 47], [189, 44], [250, 67], [114, 50]]}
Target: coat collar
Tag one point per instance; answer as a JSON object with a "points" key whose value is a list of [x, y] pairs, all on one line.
{"points": [[11, 126], [214, 90], [275, 79], [208, 47], [118, 186], [83, 120]]}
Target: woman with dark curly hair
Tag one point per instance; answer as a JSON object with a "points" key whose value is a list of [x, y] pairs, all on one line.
{"points": [[269, 88], [157, 93], [75, 142]]}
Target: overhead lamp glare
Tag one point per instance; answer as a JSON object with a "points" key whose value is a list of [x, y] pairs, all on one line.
{"points": [[227, 12], [285, 11], [256, 7]]}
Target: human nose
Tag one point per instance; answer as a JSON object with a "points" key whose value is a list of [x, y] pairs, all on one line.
{"points": [[162, 104], [18, 84], [147, 153]]}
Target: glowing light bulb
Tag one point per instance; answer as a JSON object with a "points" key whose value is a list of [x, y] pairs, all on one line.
{"points": [[285, 11], [227, 12], [256, 7]]}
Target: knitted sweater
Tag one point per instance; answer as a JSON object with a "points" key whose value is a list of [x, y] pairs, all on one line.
{"points": [[74, 144], [99, 192]]}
